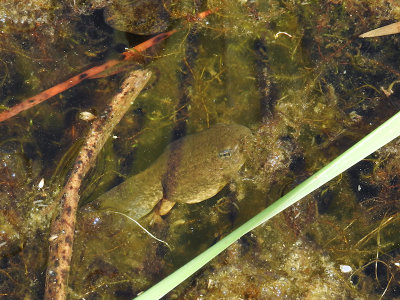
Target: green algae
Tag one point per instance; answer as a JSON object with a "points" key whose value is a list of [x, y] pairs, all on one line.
{"points": [[330, 93]]}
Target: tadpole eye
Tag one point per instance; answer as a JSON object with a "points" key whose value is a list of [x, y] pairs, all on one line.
{"points": [[225, 153]]}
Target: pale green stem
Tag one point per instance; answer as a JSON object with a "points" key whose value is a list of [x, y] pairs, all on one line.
{"points": [[372, 142]]}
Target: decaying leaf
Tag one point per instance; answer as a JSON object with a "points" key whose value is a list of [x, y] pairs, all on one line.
{"points": [[385, 30]]}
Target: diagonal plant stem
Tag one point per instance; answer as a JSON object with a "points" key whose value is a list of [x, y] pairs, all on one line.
{"points": [[63, 226], [94, 72], [90, 73], [369, 144]]}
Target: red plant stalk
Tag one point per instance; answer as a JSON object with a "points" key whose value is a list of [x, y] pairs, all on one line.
{"points": [[92, 72]]}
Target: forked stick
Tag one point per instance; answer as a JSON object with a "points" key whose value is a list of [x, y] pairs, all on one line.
{"points": [[63, 226]]}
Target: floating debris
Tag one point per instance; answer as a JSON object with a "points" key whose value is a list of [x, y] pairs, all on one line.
{"points": [[86, 116], [41, 184], [345, 268]]}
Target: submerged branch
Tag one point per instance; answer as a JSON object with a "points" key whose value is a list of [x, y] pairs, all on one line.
{"points": [[63, 226]]}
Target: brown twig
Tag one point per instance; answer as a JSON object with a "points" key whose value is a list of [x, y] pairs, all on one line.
{"points": [[62, 231]]}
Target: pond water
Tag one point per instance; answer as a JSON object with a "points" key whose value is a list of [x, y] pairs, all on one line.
{"points": [[294, 72]]}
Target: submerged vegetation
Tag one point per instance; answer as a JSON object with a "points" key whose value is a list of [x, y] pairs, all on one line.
{"points": [[295, 72]]}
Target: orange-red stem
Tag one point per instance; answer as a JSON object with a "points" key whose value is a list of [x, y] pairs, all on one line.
{"points": [[92, 72]]}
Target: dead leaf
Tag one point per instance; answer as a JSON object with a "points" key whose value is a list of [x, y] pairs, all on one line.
{"points": [[385, 30]]}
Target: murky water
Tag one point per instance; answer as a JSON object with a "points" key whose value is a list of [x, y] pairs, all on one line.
{"points": [[294, 72]]}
